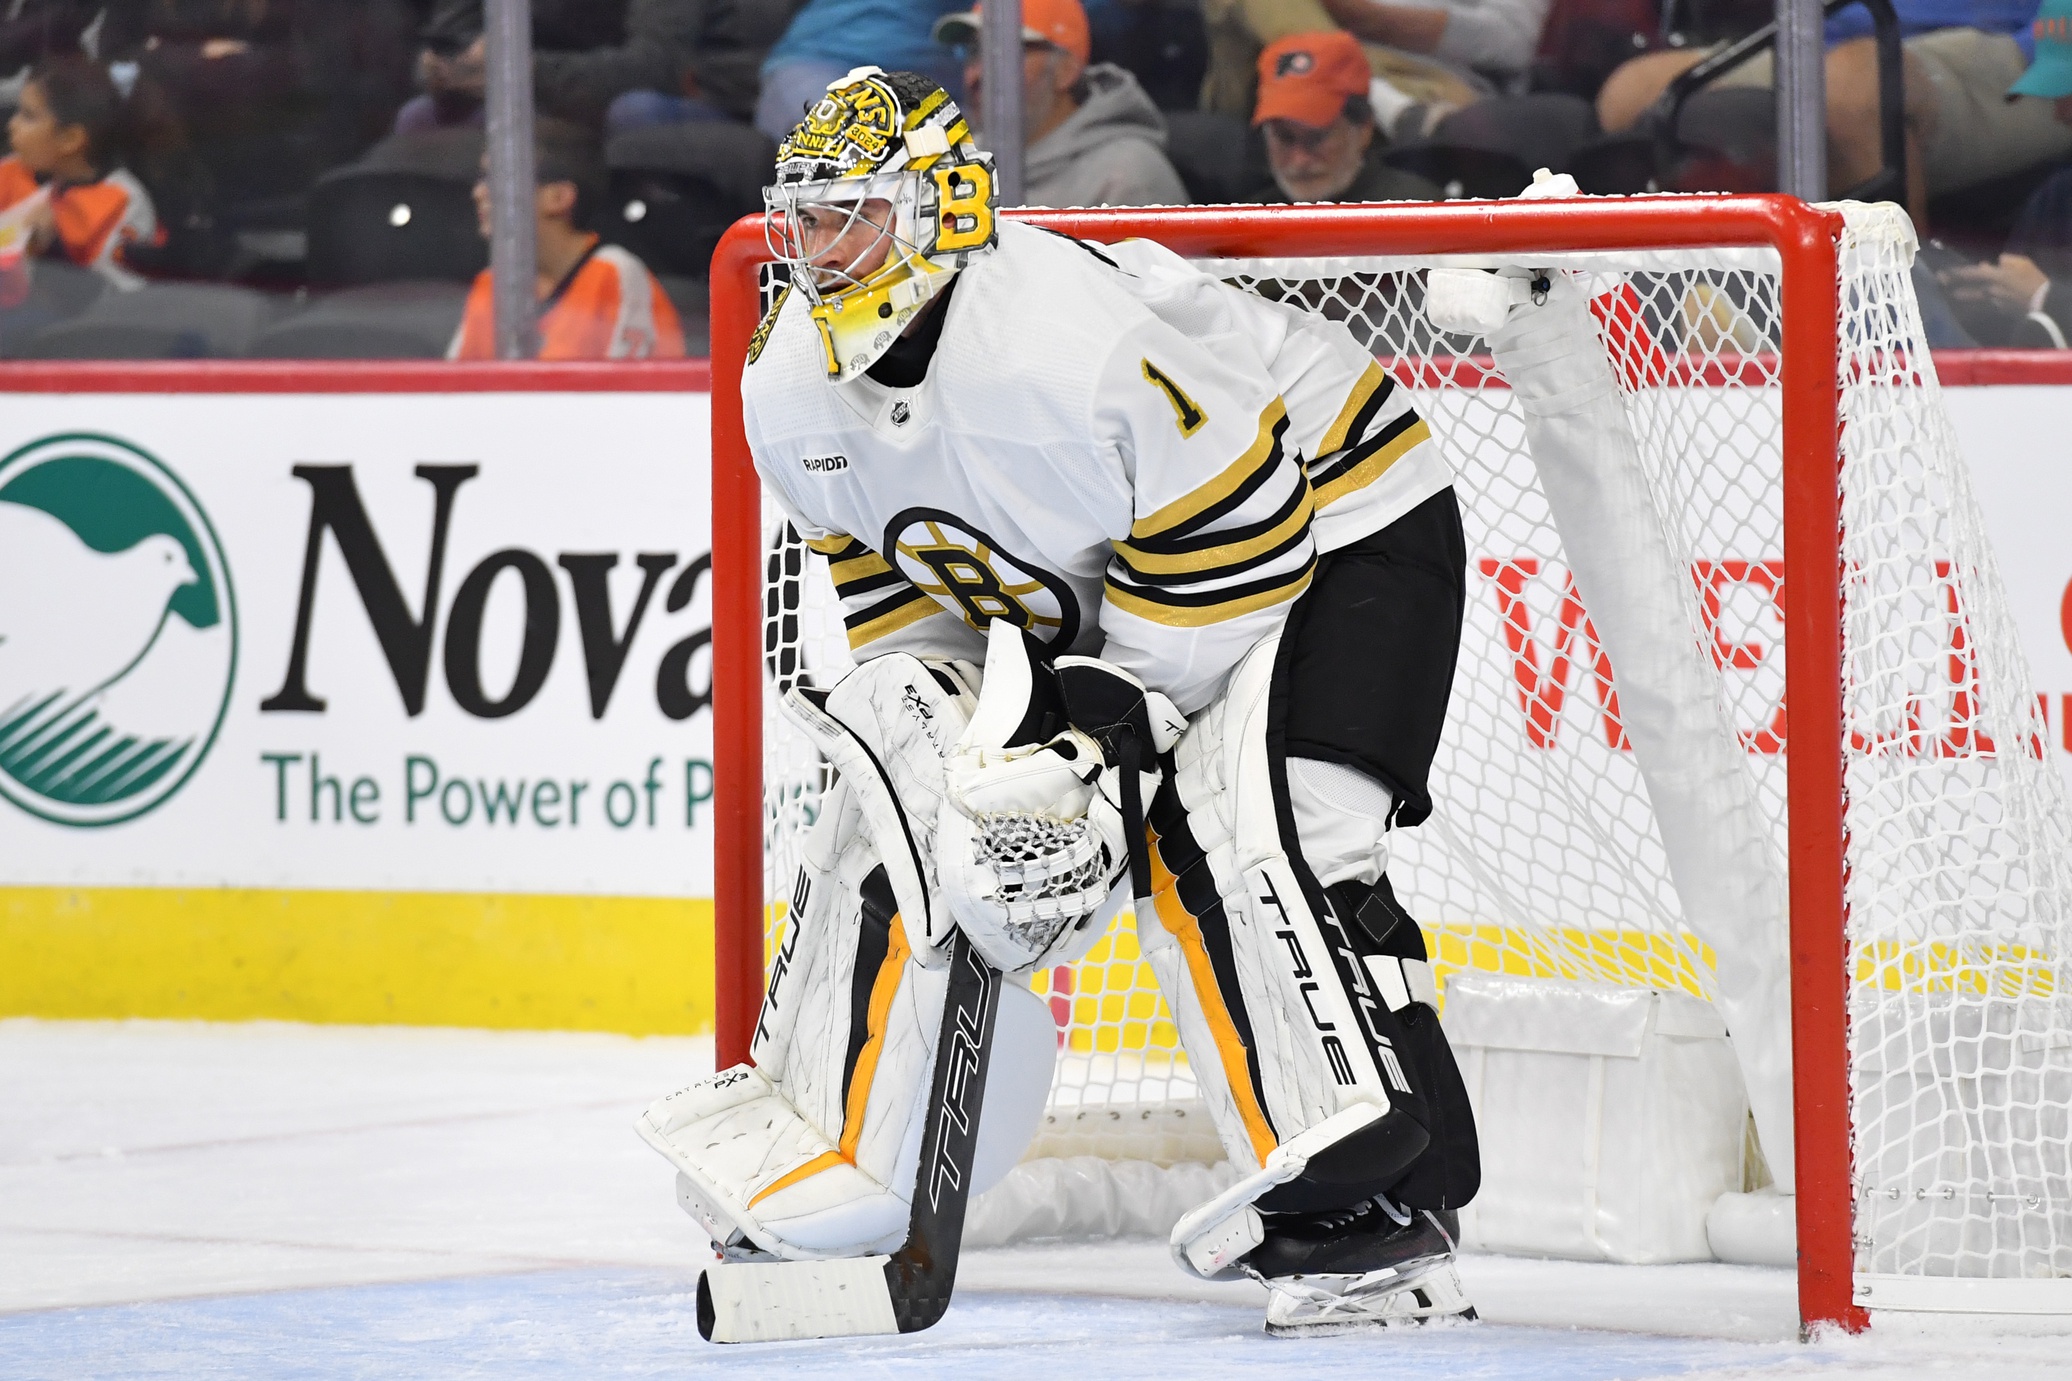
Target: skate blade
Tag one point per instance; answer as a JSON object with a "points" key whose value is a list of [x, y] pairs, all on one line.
{"points": [[1324, 1328], [1323, 1305]]}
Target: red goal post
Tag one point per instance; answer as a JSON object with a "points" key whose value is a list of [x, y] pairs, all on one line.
{"points": [[1806, 241]]}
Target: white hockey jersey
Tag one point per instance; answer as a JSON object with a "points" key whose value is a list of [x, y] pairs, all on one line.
{"points": [[1111, 448]]}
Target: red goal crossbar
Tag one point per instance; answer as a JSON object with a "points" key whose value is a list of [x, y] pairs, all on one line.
{"points": [[1806, 241]]}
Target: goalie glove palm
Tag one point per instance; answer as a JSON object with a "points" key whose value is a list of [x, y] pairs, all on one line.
{"points": [[1031, 836]]}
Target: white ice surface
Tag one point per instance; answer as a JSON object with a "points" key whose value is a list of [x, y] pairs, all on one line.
{"points": [[264, 1200]]}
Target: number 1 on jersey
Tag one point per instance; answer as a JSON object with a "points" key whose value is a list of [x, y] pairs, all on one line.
{"points": [[1186, 409]]}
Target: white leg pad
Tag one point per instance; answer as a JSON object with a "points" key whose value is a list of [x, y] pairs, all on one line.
{"points": [[1306, 1025], [752, 1164], [1209, 1240]]}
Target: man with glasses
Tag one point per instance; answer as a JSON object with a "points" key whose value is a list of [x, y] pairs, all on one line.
{"points": [[1319, 127], [1093, 138]]}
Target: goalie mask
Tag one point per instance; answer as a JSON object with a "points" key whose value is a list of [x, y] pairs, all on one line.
{"points": [[880, 196]]}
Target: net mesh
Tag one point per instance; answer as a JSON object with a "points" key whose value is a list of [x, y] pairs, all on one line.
{"points": [[1542, 856]]}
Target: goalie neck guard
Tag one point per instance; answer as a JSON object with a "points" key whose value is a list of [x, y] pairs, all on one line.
{"points": [[896, 139]]}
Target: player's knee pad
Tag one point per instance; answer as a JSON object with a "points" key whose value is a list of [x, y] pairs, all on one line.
{"points": [[1281, 1021], [811, 1152], [1341, 816]]}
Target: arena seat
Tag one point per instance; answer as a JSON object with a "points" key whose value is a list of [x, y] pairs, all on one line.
{"points": [[452, 154], [1726, 141], [676, 188], [58, 291], [163, 321], [1200, 144], [374, 225], [1459, 171], [377, 321], [692, 298]]}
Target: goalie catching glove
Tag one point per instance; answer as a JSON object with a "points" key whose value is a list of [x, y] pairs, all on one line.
{"points": [[1032, 840]]}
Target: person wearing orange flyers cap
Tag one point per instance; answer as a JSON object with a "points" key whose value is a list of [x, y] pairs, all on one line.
{"points": [[1093, 138], [1313, 108]]}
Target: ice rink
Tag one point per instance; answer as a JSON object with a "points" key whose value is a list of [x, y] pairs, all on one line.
{"points": [[265, 1200]]}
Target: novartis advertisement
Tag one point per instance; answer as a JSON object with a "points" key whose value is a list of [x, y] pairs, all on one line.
{"points": [[403, 642], [461, 642]]}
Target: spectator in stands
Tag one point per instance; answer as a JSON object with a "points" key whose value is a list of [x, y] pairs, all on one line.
{"points": [[32, 30], [61, 191], [1441, 53], [597, 301], [2026, 295], [717, 46], [829, 37], [267, 93], [449, 68], [1319, 127], [1091, 135], [1162, 43], [625, 65], [1960, 58]]}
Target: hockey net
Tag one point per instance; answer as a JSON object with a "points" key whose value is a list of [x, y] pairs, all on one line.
{"points": [[1931, 880]]}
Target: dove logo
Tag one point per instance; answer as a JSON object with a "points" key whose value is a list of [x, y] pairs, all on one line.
{"points": [[118, 631]]}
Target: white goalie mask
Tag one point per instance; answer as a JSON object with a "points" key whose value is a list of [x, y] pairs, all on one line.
{"points": [[882, 170]]}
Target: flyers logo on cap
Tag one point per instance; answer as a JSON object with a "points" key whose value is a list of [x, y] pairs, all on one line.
{"points": [[1295, 64]]}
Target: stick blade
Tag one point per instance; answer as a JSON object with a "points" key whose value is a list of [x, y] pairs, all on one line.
{"points": [[758, 1302]]}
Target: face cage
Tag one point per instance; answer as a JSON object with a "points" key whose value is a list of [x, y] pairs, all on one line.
{"points": [[785, 238]]}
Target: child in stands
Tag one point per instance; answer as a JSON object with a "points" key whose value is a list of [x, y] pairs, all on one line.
{"points": [[597, 302], [61, 192]]}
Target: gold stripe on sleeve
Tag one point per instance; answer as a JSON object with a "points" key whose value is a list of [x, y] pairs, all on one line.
{"points": [[1262, 452], [884, 625], [1209, 559], [863, 564], [832, 545], [1371, 378], [1373, 467], [1202, 615]]}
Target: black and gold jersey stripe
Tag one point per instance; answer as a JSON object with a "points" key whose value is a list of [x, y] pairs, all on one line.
{"points": [[1358, 466], [1230, 547], [876, 599], [1220, 551], [901, 609], [1199, 608], [860, 571], [1369, 392], [1202, 506]]}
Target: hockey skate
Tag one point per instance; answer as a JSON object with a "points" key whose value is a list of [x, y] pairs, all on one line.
{"points": [[1367, 1267]]}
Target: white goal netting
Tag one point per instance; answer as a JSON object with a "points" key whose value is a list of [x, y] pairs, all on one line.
{"points": [[1544, 856]]}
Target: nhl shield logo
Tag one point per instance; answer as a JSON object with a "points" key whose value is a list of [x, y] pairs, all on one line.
{"points": [[118, 631]]}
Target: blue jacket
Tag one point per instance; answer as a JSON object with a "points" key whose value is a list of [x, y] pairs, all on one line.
{"points": [[2010, 17]]}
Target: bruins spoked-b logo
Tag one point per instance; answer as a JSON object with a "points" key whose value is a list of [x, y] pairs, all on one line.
{"points": [[118, 631], [960, 567]]}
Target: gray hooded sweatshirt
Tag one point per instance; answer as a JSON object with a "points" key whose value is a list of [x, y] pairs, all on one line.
{"points": [[1111, 152]]}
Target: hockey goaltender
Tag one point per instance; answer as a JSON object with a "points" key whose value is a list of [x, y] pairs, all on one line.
{"points": [[1155, 590]]}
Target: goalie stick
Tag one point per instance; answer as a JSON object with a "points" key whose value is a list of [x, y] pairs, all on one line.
{"points": [[759, 1302]]}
